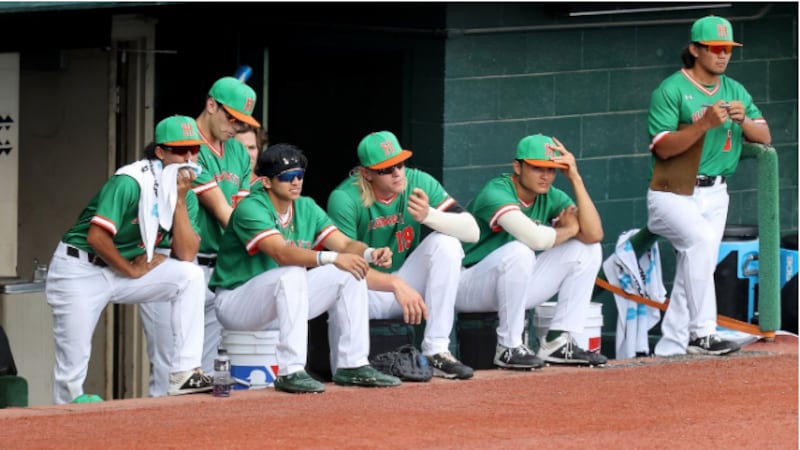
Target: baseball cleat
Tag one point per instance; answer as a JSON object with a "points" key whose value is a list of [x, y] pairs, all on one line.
{"points": [[520, 357], [445, 365], [564, 350], [366, 376], [298, 383], [711, 345], [189, 382]]}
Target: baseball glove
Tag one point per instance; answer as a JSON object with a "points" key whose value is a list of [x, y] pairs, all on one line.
{"points": [[406, 363]]}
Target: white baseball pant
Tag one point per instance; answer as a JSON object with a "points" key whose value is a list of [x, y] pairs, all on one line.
{"points": [[694, 224], [513, 278], [156, 323], [433, 269], [78, 291], [286, 298]]}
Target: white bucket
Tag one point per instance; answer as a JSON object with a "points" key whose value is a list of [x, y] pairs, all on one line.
{"points": [[592, 328], [254, 364]]}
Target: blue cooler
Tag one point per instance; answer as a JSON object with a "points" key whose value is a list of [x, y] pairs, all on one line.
{"points": [[736, 275], [788, 258], [789, 283]]}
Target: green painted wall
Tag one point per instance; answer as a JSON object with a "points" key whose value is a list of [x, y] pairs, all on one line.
{"points": [[590, 86]]}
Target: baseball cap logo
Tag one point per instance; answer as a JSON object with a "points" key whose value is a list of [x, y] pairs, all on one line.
{"points": [[249, 103], [549, 151], [188, 131], [722, 30], [388, 148]]}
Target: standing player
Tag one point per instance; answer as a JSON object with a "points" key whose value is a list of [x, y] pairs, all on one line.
{"points": [[108, 256], [384, 204], [226, 172], [520, 214], [699, 108], [261, 280]]}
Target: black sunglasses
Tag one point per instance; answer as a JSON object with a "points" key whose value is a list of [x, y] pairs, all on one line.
{"points": [[390, 169], [183, 149]]}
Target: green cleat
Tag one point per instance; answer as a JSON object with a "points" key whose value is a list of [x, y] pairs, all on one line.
{"points": [[87, 398], [298, 383], [366, 376]]}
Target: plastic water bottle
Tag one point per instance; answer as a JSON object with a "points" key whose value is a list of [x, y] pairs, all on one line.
{"points": [[222, 374]]}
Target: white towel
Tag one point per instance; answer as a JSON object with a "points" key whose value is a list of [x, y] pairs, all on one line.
{"points": [[643, 278], [155, 211]]}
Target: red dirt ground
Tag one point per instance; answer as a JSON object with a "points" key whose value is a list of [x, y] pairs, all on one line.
{"points": [[746, 400]]}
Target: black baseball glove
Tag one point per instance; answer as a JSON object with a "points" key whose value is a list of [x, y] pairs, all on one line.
{"points": [[406, 363]]}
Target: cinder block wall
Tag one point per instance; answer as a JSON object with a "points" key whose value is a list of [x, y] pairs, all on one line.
{"points": [[590, 87]]}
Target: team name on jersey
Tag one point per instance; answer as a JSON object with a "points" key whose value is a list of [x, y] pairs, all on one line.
{"points": [[300, 243], [227, 176], [383, 221], [698, 115]]}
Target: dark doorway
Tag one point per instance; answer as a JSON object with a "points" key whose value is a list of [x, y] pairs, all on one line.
{"points": [[325, 100]]}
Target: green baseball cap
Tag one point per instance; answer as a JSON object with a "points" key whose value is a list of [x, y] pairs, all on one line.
{"points": [[381, 149], [236, 97], [177, 131], [713, 30], [537, 150]]}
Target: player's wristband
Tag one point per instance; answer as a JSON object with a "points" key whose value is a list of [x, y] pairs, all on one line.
{"points": [[368, 255], [326, 258]]}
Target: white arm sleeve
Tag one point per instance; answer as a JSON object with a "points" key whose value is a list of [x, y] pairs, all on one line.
{"points": [[537, 237], [461, 226]]}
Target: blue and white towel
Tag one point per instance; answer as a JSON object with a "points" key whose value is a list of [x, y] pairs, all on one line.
{"points": [[642, 278], [155, 212]]}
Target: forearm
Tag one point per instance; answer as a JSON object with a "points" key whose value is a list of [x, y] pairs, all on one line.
{"points": [[590, 225], [381, 281], [535, 236], [102, 244], [185, 242], [460, 225], [213, 201], [676, 142], [757, 132]]}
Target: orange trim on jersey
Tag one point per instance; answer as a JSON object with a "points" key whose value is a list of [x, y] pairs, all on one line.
{"points": [[105, 224], [499, 213], [252, 244], [205, 187], [446, 203], [657, 138], [698, 85], [387, 201], [219, 152], [324, 234], [289, 215]]}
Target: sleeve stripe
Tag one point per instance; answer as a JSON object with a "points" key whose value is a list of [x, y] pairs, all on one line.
{"points": [[322, 236], [500, 212], [447, 203], [204, 187], [105, 224], [252, 244], [657, 138]]}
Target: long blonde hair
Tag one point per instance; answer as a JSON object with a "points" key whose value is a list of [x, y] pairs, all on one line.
{"points": [[364, 188]]}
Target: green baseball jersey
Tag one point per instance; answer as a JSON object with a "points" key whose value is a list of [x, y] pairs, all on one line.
{"points": [[192, 208], [498, 197], [229, 169], [116, 209], [680, 99], [385, 223], [254, 219]]}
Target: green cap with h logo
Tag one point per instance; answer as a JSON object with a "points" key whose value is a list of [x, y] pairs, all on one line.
{"points": [[713, 30], [537, 150], [177, 131], [236, 97], [381, 149]]}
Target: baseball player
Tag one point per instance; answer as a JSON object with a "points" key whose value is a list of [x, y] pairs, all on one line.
{"points": [[520, 214], [697, 119], [261, 281], [109, 256], [253, 140], [226, 173], [383, 203]]}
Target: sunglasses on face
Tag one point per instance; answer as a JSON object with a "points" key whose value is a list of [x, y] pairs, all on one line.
{"points": [[289, 176], [232, 120], [717, 49], [390, 169], [182, 150]]}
